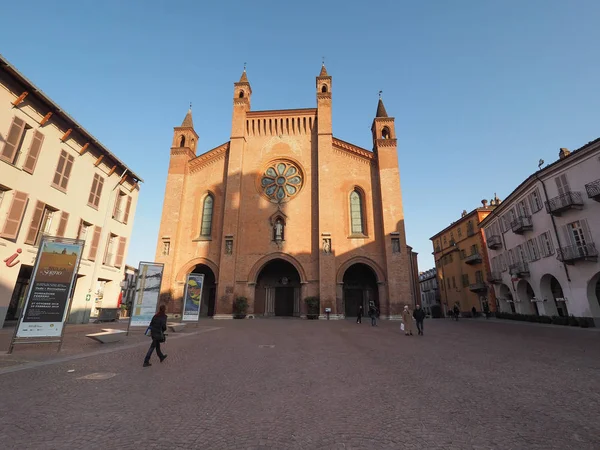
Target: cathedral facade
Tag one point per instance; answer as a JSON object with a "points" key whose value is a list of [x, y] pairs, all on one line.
{"points": [[284, 211]]}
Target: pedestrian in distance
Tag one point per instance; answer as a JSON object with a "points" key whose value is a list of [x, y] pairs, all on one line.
{"points": [[456, 312], [407, 321], [419, 316], [158, 326], [373, 313], [474, 312], [359, 314]]}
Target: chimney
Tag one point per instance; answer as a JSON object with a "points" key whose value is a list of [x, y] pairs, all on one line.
{"points": [[484, 203], [563, 153]]}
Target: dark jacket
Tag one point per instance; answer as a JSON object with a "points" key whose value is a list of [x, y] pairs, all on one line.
{"points": [[158, 325], [360, 311], [419, 315]]}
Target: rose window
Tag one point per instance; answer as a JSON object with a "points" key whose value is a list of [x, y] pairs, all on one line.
{"points": [[281, 181]]}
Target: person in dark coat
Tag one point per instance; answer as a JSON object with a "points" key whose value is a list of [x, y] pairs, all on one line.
{"points": [[158, 326], [373, 313], [456, 312], [419, 316], [359, 314]]}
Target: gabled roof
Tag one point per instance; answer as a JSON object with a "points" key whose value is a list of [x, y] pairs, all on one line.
{"points": [[323, 71], [187, 121], [244, 77]]}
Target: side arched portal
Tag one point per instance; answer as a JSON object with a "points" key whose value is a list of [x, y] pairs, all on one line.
{"points": [[525, 294], [209, 290], [360, 288]]}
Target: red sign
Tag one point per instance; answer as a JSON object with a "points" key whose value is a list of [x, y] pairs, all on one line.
{"points": [[11, 261]]}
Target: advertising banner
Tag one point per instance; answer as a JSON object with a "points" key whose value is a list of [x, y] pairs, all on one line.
{"points": [[192, 298], [49, 295], [147, 290]]}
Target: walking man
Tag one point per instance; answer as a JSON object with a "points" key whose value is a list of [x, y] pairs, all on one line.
{"points": [[419, 316], [359, 314], [158, 326], [373, 313], [456, 312]]}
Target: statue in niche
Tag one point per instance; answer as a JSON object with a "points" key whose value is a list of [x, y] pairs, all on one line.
{"points": [[278, 229], [228, 246], [326, 245], [395, 245]]}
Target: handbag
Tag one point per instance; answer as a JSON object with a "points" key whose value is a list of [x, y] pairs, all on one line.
{"points": [[148, 332], [163, 337], [402, 326]]}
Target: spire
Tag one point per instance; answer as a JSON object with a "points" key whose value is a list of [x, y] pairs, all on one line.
{"points": [[244, 77], [381, 112], [188, 122], [323, 71]]}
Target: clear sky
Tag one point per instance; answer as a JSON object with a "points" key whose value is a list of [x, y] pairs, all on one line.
{"points": [[481, 90]]}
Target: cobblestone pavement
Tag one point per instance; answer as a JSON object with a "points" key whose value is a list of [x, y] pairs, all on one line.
{"points": [[292, 384]]}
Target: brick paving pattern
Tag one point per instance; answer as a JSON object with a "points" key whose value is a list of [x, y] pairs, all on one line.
{"points": [[292, 384]]}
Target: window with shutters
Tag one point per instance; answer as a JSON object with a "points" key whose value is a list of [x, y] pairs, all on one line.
{"points": [[35, 147], [535, 200], [120, 252], [465, 280], [96, 191], [13, 141], [479, 276], [207, 215], [562, 184], [546, 245], [12, 225], [502, 262], [357, 224], [110, 250], [3, 192], [122, 207], [63, 171], [45, 225], [578, 233], [534, 253], [94, 244], [166, 248], [62, 224], [84, 232]]}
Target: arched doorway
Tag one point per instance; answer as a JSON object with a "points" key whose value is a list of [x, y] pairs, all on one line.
{"points": [[277, 291], [209, 290], [360, 287], [593, 293], [552, 292], [526, 294], [506, 297]]}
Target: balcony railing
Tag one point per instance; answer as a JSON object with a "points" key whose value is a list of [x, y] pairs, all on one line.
{"points": [[495, 277], [593, 190], [557, 205], [521, 224], [573, 253], [478, 286], [494, 242], [520, 269], [473, 258]]}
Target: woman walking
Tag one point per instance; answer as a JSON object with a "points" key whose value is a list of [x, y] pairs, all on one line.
{"points": [[407, 321], [158, 326]]}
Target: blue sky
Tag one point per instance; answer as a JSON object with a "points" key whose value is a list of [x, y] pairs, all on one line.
{"points": [[465, 80]]}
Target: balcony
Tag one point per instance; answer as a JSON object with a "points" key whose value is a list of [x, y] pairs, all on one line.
{"points": [[494, 242], [495, 277], [473, 258], [470, 232], [574, 253], [478, 286], [569, 200], [521, 224], [593, 190], [519, 270]]}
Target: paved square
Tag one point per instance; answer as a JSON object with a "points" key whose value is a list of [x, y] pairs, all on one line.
{"points": [[292, 384]]}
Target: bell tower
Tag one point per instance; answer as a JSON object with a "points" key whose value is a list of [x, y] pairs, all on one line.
{"points": [[184, 136], [390, 196]]}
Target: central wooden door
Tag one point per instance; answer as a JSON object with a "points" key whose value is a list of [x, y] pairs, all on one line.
{"points": [[284, 301]]}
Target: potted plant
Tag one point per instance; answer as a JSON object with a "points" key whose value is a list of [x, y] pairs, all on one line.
{"points": [[240, 308], [312, 307]]}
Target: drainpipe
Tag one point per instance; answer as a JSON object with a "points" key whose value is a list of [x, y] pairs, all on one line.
{"points": [[553, 224], [86, 313]]}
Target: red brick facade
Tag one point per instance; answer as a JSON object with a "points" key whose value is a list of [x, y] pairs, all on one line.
{"points": [[285, 166]]}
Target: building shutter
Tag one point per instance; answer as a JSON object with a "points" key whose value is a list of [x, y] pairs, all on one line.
{"points": [[59, 168], [15, 216], [117, 205], [120, 252], [94, 244], [568, 235], [99, 191], [127, 209], [586, 231], [13, 140], [35, 223], [62, 226], [92, 197], [67, 172], [562, 184], [34, 152], [80, 228]]}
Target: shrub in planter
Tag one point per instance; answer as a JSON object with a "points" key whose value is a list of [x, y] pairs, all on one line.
{"points": [[312, 307], [573, 321], [240, 307]]}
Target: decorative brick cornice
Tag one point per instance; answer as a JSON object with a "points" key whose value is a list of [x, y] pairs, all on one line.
{"points": [[386, 142], [384, 119], [208, 158], [324, 96], [353, 150], [175, 151], [240, 101]]}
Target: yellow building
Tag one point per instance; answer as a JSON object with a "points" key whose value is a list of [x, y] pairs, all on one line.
{"points": [[462, 262]]}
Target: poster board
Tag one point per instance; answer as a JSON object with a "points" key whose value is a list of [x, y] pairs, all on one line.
{"points": [[50, 292], [192, 297], [147, 291]]}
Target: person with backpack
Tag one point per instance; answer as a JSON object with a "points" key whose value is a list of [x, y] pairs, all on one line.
{"points": [[158, 326], [373, 313]]}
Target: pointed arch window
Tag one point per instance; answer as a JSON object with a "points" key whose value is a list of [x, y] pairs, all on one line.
{"points": [[182, 141], [356, 212], [207, 215], [385, 133]]}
